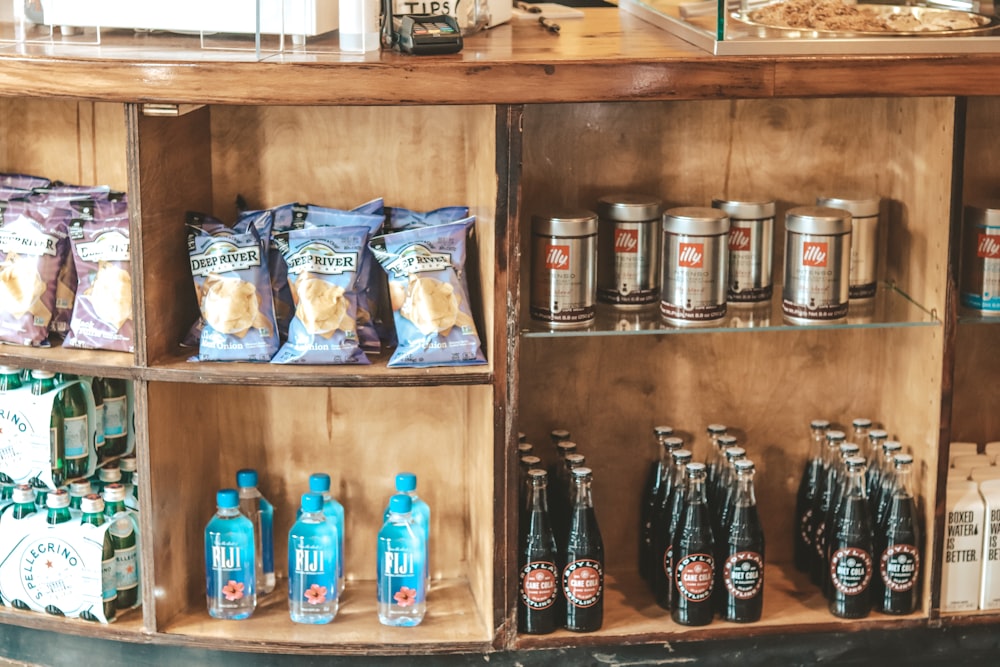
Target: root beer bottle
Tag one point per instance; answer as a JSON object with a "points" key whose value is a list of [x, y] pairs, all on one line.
{"points": [[583, 560], [694, 555], [743, 562], [537, 611], [656, 479], [806, 497], [668, 516], [850, 547], [898, 546]]}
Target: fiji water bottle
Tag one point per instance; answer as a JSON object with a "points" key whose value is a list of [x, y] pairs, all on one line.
{"points": [[406, 483], [312, 564], [230, 565], [256, 508], [320, 483], [402, 574]]}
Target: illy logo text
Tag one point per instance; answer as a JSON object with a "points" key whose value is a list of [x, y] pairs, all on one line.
{"points": [[813, 254], [691, 255], [557, 257], [739, 239], [626, 240], [989, 247]]}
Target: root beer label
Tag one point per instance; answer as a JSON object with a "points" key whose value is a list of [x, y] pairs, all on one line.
{"points": [[743, 574], [538, 585], [899, 567], [851, 570], [695, 575], [583, 582]]}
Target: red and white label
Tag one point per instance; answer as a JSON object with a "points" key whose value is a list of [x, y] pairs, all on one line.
{"points": [[739, 239], [538, 585], [989, 247], [814, 254], [695, 576], [627, 241], [691, 255], [583, 582], [557, 257], [851, 570]]}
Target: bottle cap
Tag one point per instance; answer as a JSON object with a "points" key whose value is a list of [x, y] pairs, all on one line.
{"points": [[835, 435], [109, 474], [227, 499], [566, 447], [862, 422], [673, 443], [530, 460], [114, 493], [663, 431], [695, 468], [819, 424], [538, 473], [127, 463], [521, 437], [849, 449], [525, 448], [743, 465], [582, 471], [902, 460], [735, 453], [726, 441], [855, 463], [716, 429], [891, 446], [406, 481], [681, 455], [42, 375], [9, 370], [246, 478], [319, 482], [400, 504], [312, 502], [92, 504], [575, 460], [57, 499], [877, 434], [23, 493], [559, 434], [80, 488]]}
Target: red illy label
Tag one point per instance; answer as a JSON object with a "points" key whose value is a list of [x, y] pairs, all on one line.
{"points": [[739, 239], [814, 254], [900, 567], [627, 241], [538, 585], [583, 582], [743, 573], [691, 255], [695, 576], [557, 257], [851, 570], [988, 247]]}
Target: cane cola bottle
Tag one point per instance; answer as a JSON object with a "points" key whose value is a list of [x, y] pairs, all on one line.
{"points": [[583, 560], [898, 545], [847, 450], [538, 589], [743, 564], [806, 497], [818, 572], [694, 554], [656, 479], [525, 464], [850, 547], [665, 525]]}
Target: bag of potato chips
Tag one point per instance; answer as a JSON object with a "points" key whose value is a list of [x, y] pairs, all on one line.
{"points": [[23, 181], [102, 312], [430, 295], [398, 219], [8, 193], [234, 294], [323, 267]]}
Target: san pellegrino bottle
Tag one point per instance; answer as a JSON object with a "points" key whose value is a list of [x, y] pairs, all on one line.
{"points": [[123, 538], [77, 491], [582, 560], [850, 547], [656, 479], [255, 507], [538, 585], [41, 493], [97, 391], [115, 396], [76, 427], [694, 554], [320, 483], [10, 378], [57, 503], [24, 502], [230, 567], [402, 576], [43, 382], [899, 545], [668, 516], [806, 497], [743, 559], [6, 491], [313, 595], [406, 483], [92, 506]]}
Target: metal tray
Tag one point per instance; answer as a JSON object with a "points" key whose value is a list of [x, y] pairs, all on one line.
{"points": [[926, 16]]}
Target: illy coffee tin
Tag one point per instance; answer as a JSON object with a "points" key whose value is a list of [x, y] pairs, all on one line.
{"points": [[628, 255], [817, 263], [980, 284], [695, 261], [563, 268], [864, 241], [751, 248]]}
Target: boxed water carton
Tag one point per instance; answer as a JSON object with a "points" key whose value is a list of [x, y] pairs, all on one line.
{"points": [[961, 569], [990, 596]]}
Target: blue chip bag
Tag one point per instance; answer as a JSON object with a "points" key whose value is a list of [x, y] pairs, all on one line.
{"points": [[23, 181], [234, 294], [323, 267], [398, 219], [430, 295]]}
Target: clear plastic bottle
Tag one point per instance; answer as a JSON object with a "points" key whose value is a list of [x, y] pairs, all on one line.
{"points": [[230, 567], [313, 592], [319, 482], [255, 507], [402, 575], [406, 483]]}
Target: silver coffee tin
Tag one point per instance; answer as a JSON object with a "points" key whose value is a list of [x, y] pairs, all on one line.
{"points": [[864, 241], [628, 255], [817, 264], [751, 248], [564, 268], [695, 265], [980, 268]]}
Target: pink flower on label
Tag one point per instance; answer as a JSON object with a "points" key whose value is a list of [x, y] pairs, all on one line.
{"points": [[233, 590], [316, 594], [405, 597]]}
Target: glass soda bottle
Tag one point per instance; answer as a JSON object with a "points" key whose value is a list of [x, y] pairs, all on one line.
{"points": [[694, 554], [850, 547], [582, 560], [76, 427], [883, 493], [525, 463], [743, 562], [713, 458], [874, 475], [319, 482], [24, 502], [658, 478], [860, 427], [668, 517], [402, 568], [847, 450], [727, 490], [10, 378], [92, 506], [123, 538], [98, 393], [43, 382], [806, 497], [818, 571], [115, 396], [230, 568], [57, 503], [898, 545], [716, 491], [255, 507], [77, 491], [313, 544], [559, 506], [538, 586], [6, 491]]}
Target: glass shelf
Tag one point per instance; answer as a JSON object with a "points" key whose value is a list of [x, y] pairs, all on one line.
{"points": [[891, 307], [973, 317]]}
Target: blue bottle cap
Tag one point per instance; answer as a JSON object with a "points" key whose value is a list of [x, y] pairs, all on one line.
{"points": [[400, 504], [312, 502], [227, 498], [319, 482], [406, 481], [246, 478]]}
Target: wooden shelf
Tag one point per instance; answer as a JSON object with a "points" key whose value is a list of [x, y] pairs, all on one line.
{"points": [[69, 360], [127, 625]]}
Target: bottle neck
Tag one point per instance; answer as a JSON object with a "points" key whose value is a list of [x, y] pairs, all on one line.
{"points": [[539, 496], [745, 494], [903, 484], [816, 440], [696, 488], [581, 493], [93, 518], [226, 512], [58, 515], [313, 517], [854, 483]]}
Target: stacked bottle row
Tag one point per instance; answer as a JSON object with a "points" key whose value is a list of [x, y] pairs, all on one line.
{"points": [[857, 529], [239, 553]]}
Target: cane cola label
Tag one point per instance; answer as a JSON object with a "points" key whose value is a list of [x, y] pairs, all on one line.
{"points": [[538, 585], [695, 576], [804, 527], [743, 573], [900, 567], [851, 570], [583, 582]]}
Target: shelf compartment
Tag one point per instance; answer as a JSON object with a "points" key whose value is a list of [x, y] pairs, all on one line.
{"points": [[70, 360], [127, 626]]}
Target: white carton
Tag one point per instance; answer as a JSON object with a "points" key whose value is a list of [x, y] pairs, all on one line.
{"points": [[967, 462], [961, 569], [985, 473], [991, 450], [962, 449], [990, 595]]}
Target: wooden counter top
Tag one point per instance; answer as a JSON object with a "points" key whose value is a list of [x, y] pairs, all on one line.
{"points": [[607, 55]]}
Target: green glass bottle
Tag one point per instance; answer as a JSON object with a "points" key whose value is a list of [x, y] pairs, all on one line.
{"points": [[97, 390], [57, 503], [76, 428], [43, 382], [93, 513], [41, 493], [6, 491], [114, 392], [24, 502], [10, 378], [123, 538], [77, 491]]}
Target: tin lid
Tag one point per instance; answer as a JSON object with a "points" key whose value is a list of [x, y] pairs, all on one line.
{"points": [[695, 220], [538, 473], [629, 207], [855, 462], [745, 209], [983, 214], [859, 207], [818, 220], [673, 443], [576, 222]]}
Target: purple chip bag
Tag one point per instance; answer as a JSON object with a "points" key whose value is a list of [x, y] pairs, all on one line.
{"points": [[398, 219], [8, 192], [23, 181], [102, 312], [33, 243], [324, 267], [430, 296]]}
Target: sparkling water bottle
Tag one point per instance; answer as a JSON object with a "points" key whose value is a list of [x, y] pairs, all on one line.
{"points": [[312, 564], [402, 575], [230, 567]]}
